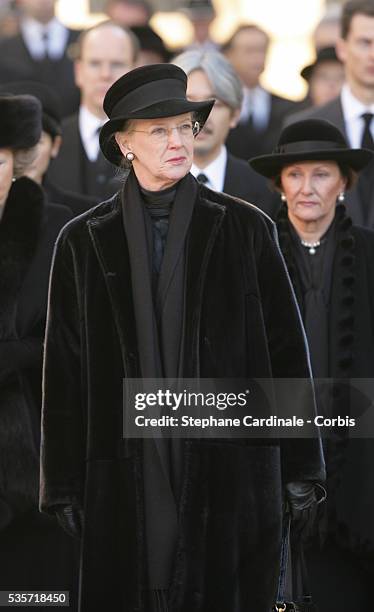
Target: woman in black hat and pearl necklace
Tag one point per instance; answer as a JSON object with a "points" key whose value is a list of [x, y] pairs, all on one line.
{"points": [[330, 262], [168, 279]]}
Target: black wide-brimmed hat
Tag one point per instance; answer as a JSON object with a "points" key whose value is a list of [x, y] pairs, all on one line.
{"points": [[325, 54], [20, 121], [51, 109], [310, 140], [148, 92]]}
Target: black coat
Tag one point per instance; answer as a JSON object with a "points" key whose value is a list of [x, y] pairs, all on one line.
{"points": [[230, 510], [73, 172], [360, 199], [16, 64], [351, 356], [76, 202], [243, 182], [28, 230], [246, 142]]}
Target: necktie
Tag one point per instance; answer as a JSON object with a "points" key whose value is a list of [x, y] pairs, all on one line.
{"points": [[367, 139], [95, 144], [45, 40], [202, 178]]}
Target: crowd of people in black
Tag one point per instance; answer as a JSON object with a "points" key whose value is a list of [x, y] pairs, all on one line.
{"points": [[308, 166]]}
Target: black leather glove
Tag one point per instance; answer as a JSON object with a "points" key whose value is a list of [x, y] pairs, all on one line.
{"points": [[303, 499], [71, 519]]}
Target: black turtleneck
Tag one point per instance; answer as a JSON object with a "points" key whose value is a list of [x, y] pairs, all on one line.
{"points": [[158, 205]]}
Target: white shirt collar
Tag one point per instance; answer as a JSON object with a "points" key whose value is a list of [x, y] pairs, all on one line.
{"points": [[256, 102], [32, 32], [353, 109], [215, 171], [89, 125]]}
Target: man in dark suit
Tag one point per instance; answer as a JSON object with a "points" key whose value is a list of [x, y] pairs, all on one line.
{"points": [[210, 75], [104, 53], [353, 111], [39, 52], [263, 112]]}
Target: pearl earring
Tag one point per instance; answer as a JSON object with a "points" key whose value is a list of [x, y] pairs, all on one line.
{"points": [[14, 179], [341, 196], [283, 197], [130, 156]]}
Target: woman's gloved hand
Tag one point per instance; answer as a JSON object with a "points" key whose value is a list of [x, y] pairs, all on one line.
{"points": [[303, 499], [71, 519]]}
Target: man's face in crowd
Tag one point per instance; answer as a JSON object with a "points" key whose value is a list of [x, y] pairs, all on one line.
{"points": [[248, 55], [220, 120], [106, 54], [326, 34], [41, 10], [127, 14], [326, 82], [46, 149], [357, 51]]}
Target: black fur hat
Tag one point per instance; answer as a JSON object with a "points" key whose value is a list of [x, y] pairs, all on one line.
{"points": [[20, 121], [51, 109]]}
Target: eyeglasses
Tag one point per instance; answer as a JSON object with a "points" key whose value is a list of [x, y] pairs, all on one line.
{"points": [[161, 134]]}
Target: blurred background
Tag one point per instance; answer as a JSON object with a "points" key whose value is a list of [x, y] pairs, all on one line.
{"points": [[290, 25]]}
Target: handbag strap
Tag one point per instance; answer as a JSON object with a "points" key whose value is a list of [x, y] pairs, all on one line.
{"points": [[300, 578], [300, 581], [285, 546]]}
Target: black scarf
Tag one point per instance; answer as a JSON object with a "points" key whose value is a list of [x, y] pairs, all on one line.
{"points": [[315, 271], [159, 324], [158, 205]]}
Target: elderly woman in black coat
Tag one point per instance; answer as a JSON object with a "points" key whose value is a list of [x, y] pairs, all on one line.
{"points": [[28, 230], [168, 279], [330, 262]]}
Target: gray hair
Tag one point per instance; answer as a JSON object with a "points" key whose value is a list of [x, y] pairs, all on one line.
{"points": [[226, 84]]}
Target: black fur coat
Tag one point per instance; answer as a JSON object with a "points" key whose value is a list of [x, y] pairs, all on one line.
{"points": [[28, 229], [350, 502], [241, 320]]}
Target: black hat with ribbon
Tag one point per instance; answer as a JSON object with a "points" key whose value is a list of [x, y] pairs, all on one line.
{"points": [[149, 92], [324, 55], [310, 140]]}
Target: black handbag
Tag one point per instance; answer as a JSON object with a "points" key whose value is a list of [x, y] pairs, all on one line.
{"points": [[295, 573]]}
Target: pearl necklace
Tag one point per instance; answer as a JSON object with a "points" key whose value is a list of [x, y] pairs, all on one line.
{"points": [[312, 246]]}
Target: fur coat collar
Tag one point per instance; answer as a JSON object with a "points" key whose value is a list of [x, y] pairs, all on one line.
{"points": [[19, 234]]}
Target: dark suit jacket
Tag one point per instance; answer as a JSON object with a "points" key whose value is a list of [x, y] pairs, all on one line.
{"points": [[68, 170], [243, 182], [360, 199], [246, 142], [16, 64], [77, 203]]}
